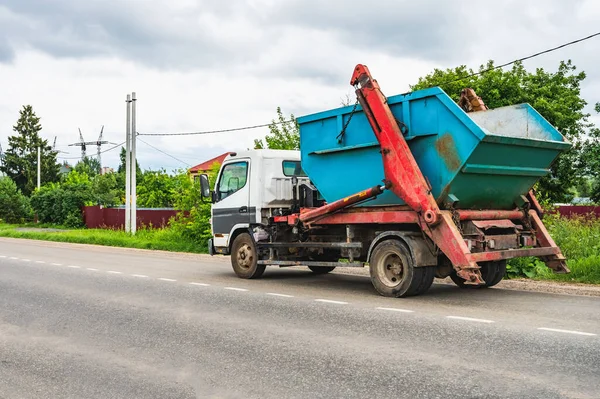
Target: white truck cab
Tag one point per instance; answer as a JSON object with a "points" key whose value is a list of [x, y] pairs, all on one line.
{"points": [[251, 187]]}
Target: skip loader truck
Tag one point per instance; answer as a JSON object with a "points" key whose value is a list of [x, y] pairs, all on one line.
{"points": [[415, 186]]}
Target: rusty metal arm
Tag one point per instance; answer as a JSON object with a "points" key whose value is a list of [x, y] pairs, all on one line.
{"points": [[405, 179]]}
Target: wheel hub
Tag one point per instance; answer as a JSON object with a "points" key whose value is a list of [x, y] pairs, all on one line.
{"points": [[245, 256], [391, 269]]}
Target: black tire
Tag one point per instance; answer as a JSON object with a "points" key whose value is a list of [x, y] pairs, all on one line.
{"points": [[244, 257], [491, 272], [321, 269], [393, 271], [500, 272]]}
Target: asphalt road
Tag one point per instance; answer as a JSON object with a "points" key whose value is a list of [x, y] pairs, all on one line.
{"points": [[95, 322]]}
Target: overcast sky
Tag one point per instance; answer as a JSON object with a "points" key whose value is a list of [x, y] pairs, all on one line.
{"points": [[214, 64]]}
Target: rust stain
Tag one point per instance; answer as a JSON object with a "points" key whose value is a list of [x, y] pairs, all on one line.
{"points": [[446, 147]]}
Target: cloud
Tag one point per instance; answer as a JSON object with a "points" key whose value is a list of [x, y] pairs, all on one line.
{"points": [[179, 35], [204, 65]]}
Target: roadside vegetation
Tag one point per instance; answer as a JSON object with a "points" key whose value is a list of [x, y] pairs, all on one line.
{"points": [[579, 240], [165, 239], [57, 204]]}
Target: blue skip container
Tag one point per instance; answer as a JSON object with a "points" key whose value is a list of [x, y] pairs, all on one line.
{"points": [[486, 159]]}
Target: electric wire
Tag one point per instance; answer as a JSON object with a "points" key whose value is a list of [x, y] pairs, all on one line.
{"points": [[520, 59], [94, 155], [443, 83], [167, 154]]}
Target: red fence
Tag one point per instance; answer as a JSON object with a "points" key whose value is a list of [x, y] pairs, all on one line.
{"points": [[114, 218], [578, 210]]}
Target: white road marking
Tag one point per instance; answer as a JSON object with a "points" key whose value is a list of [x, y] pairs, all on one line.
{"points": [[12, 257], [2, 256], [114, 272], [397, 310], [39, 261], [235, 289], [92, 269], [26, 260], [74, 267], [200, 284], [567, 331], [470, 319], [140, 275], [56, 264], [330, 301], [281, 295], [166, 279]]}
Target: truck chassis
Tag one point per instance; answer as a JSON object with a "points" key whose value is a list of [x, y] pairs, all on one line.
{"points": [[405, 246]]}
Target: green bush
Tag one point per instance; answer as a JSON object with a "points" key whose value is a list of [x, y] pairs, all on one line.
{"points": [[61, 203], [194, 223], [14, 206], [578, 239]]}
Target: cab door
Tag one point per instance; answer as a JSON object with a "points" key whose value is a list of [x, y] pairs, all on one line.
{"points": [[232, 205]]}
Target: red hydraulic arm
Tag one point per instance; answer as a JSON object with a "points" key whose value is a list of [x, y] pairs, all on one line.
{"points": [[404, 178]]}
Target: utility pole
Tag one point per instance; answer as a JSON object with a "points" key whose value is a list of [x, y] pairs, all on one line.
{"points": [[39, 168], [128, 167], [133, 166]]}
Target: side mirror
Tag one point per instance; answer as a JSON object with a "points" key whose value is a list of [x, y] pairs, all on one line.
{"points": [[204, 186]]}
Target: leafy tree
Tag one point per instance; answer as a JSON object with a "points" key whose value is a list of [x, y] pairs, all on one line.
{"points": [[122, 163], [155, 189], [61, 203], [106, 189], [14, 206], [20, 162], [584, 187], [194, 221], [88, 165], [592, 154], [284, 134], [555, 95]]}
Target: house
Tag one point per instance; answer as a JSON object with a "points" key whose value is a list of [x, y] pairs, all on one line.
{"points": [[204, 167], [65, 168]]}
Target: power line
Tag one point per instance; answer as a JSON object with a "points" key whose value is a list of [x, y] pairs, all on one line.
{"points": [[94, 156], [169, 155], [520, 59], [235, 129]]}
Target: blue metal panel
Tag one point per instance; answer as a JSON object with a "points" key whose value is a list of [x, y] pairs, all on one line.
{"points": [[442, 138]]}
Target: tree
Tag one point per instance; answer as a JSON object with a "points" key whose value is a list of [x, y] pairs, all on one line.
{"points": [[555, 95], [61, 203], [155, 189], [20, 162], [122, 163], [284, 134], [106, 189], [89, 165], [14, 206]]}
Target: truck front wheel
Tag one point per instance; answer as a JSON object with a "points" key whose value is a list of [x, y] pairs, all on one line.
{"points": [[394, 273], [244, 258]]}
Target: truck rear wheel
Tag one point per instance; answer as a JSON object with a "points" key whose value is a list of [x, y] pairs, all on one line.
{"points": [[321, 269], [244, 257], [394, 273], [491, 272]]}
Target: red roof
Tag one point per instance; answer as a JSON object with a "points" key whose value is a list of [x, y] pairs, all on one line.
{"points": [[204, 166]]}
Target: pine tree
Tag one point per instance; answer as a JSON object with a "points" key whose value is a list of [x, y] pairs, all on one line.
{"points": [[20, 162]]}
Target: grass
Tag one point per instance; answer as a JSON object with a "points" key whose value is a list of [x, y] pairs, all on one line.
{"points": [[579, 240], [159, 239]]}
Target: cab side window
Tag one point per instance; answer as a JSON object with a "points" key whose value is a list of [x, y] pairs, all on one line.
{"points": [[233, 178], [292, 168]]}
